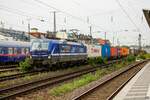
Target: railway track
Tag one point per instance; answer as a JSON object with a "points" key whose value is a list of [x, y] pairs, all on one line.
{"points": [[110, 85], [8, 66], [47, 81], [18, 75], [9, 70]]}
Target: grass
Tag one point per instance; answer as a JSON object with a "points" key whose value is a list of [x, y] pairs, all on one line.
{"points": [[84, 80], [21, 80], [147, 56], [71, 86], [8, 73], [143, 56], [37, 76]]}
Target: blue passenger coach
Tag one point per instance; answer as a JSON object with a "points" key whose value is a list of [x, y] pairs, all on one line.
{"points": [[13, 51], [48, 52]]}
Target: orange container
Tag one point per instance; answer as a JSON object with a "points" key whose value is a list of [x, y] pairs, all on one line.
{"points": [[124, 51], [113, 52]]}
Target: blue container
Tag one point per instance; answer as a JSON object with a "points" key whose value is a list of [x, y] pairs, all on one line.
{"points": [[106, 51]]}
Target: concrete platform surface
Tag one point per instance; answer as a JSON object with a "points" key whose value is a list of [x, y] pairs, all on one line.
{"points": [[138, 88]]}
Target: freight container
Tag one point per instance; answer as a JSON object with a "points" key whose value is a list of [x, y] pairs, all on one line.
{"points": [[124, 51], [114, 52], [105, 51], [93, 50]]}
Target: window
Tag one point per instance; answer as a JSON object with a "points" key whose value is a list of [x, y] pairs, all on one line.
{"points": [[73, 49], [2, 51], [10, 50], [44, 46], [36, 46], [81, 49], [39, 46], [65, 48], [15, 50], [77, 49], [18, 51]]}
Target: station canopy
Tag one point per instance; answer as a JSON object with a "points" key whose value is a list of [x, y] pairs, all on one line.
{"points": [[147, 16]]}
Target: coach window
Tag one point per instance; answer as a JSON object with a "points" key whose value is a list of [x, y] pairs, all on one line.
{"points": [[1, 51], [15, 50], [18, 51], [10, 50]]}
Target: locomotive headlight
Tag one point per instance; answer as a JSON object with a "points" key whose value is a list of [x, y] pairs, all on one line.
{"points": [[49, 57]]}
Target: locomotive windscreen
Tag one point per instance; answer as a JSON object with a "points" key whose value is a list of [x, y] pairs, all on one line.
{"points": [[39, 46]]}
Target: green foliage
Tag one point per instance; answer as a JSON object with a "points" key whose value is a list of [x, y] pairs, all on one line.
{"points": [[98, 60], [105, 60], [147, 56], [91, 61], [85, 79], [25, 65], [141, 56], [131, 58], [71, 86]]}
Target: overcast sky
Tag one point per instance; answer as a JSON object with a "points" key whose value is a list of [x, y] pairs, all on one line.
{"points": [[104, 15]]}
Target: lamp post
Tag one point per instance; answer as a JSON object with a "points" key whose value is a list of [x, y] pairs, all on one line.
{"points": [[29, 19]]}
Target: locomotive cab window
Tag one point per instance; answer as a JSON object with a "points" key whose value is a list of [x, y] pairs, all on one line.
{"points": [[39, 46], [36, 46], [44, 45]]}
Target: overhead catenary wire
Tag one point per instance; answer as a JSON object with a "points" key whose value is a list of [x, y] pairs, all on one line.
{"points": [[75, 17], [19, 12], [127, 15], [4, 8], [141, 17], [31, 16]]}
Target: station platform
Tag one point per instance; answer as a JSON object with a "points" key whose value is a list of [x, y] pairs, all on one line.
{"points": [[138, 88]]}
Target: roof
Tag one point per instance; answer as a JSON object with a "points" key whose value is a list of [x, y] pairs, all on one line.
{"points": [[14, 44], [57, 41], [147, 16]]}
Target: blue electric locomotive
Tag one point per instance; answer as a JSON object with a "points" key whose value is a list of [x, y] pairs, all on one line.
{"points": [[49, 52], [13, 51]]}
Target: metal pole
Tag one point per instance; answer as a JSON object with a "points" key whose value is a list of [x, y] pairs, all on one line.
{"points": [[105, 36], [29, 30], [91, 34], [139, 42], [118, 42], [113, 40], [54, 22]]}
